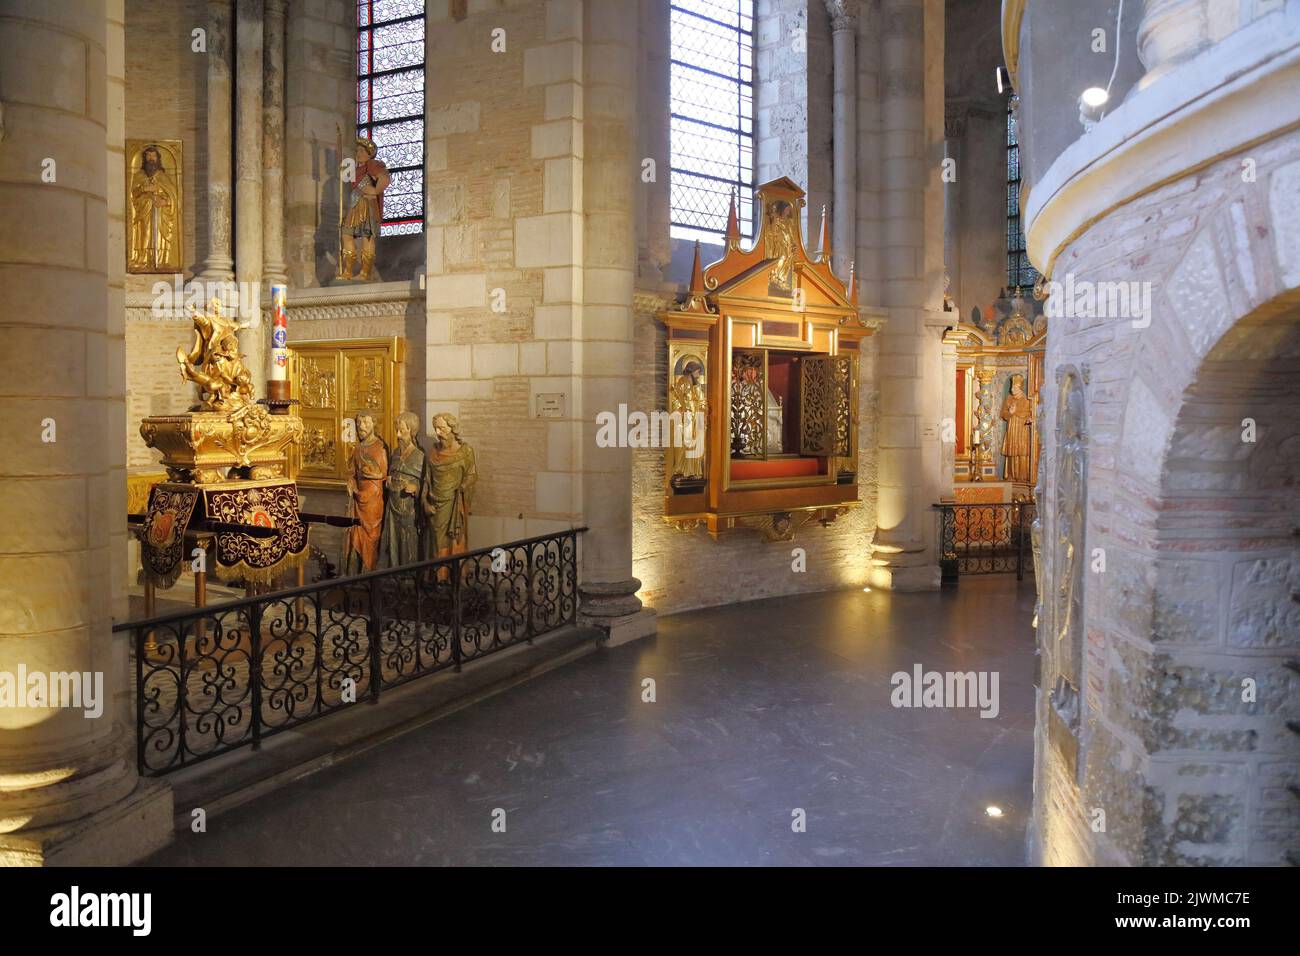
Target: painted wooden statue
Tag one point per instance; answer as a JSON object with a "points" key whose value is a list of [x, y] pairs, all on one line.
{"points": [[407, 476], [449, 490], [1017, 446], [367, 473]]}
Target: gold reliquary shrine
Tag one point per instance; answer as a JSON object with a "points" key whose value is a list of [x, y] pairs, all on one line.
{"points": [[763, 377]]}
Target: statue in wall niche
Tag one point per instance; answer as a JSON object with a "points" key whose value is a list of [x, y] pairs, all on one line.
{"points": [[367, 473], [407, 476], [153, 196], [449, 490], [689, 399], [780, 244], [359, 227], [1018, 443]]}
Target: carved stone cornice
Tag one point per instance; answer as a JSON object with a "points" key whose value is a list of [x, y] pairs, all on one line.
{"points": [[844, 14], [652, 302]]}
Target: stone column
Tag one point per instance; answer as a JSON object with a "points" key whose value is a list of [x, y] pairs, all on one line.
{"points": [[273, 266], [219, 266], [69, 793], [844, 219], [608, 589], [903, 557], [954, 129], [248, 188]]}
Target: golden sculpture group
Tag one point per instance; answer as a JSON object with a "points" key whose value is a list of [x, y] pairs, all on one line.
{"points": [[227, 434]]}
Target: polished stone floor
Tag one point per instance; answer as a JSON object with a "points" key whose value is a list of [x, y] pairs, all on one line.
{"points": [[760, 709]]}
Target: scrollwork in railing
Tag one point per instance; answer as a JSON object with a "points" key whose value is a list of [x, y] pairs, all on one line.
{"points": [[218, 678]]}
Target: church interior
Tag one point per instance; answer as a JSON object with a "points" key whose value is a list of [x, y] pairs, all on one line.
{"points": [[650, 432]]}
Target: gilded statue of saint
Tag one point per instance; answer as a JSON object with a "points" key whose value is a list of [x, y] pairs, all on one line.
{"points": [[365, 210], [154, 208], [1017, 446], [779, 244], [405, 488], [689, 399], [213, 363], [449, 490], [367, 473]]}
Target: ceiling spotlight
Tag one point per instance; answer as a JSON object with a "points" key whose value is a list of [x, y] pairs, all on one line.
{"points": [[993, 811], [1003, 79], [866, 590], [1090, 104]]}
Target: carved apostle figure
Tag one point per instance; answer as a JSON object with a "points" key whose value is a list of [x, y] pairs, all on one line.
{"points": [[449, 490], [689, 400], [367, 472], [365, 210], [405, 487], [155, 200], [1017, 445]]}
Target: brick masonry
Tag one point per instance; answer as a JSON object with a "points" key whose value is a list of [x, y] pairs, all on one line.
{"points": [[1196, 604]]}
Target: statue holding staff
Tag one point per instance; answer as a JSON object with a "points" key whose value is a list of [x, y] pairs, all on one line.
{"points": [[364, 210]]}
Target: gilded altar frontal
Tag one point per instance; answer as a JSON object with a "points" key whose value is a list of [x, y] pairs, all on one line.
{"points": [[650, 433], [154, 206]]}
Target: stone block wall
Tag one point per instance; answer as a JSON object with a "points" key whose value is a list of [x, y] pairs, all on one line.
{"points": [[1184, 743], [504, 262]]}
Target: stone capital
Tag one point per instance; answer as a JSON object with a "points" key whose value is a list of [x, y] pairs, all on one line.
{"points": [[844, 14]]}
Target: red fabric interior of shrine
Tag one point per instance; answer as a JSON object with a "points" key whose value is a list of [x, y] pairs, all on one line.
{"points": [[776, 468]]}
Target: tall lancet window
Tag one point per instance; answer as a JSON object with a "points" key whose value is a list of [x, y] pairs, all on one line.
{"points": [[1020, 274], [712, 116], [390, 103]]}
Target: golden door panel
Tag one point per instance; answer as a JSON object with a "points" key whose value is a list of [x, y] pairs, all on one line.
{"points": [[748, 403], [332, 381]]}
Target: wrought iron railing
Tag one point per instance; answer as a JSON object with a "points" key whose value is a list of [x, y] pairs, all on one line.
{"points": [[213, 679], [985, 539]]}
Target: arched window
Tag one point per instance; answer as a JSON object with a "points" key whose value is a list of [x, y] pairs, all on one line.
{"points": [[1020, 274], [390, 103], [712, 115]]}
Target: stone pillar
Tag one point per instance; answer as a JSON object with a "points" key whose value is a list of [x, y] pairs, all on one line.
{"points": [[954, 129], [903, 557], [608, 589], [69, 793], [248, 188], [844, 219], [219, 266], [120, 550], [273, 266]]}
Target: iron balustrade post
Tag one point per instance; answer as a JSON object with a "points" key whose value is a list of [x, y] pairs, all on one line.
{"points": [[528, 593], [255, 670], [455, 613], [138, 636], [1020, 542], [375, 628]]}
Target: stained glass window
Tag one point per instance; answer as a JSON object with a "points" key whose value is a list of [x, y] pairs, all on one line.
{"points": [[1020, 274], [711, 116], [390, 103]]}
